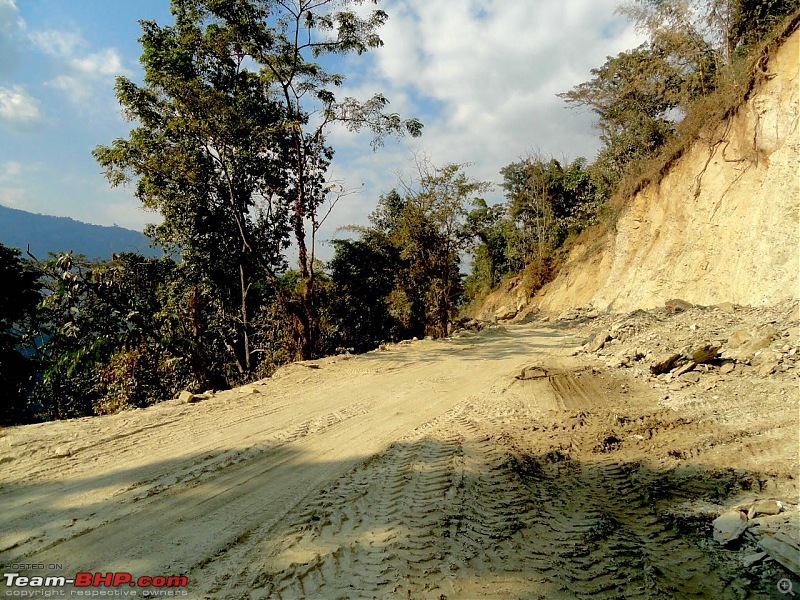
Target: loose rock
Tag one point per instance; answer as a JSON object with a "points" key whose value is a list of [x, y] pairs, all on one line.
{"points": [[532, 373], [767, 369], [765, 507], [664, 363], [783, 549], [62, 452], [705, 353], [599, 341], [505, 312], [738, 338], [677, 305], [685, 368], [751, 559], [729, 526]]}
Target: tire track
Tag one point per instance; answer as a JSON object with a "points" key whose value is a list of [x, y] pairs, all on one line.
{"points": [[410, 523], [595, 534]]}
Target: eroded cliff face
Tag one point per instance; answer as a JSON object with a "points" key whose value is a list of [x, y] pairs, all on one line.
{"points": [[721, 226]]}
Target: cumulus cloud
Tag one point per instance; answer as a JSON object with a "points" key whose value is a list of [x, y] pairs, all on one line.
{"points": [[84, 72], [9, 170], [18, 109], [494, 69], [483, 76]]}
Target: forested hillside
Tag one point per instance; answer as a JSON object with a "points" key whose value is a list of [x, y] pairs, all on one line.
{"points": [[45, 234]]}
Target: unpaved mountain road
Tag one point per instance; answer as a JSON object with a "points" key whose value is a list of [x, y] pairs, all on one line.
{"points": [[499, 464]]}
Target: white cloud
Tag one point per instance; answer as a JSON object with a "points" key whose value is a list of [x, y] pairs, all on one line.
{"points": [[59, 44], [78, 90], [18, 109], [483, 77], [84, 73], [105, 63], [9, 170]]}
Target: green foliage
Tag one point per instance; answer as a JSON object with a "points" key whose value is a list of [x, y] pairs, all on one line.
{"points": [[136, 377], [494, 238], [641, 96], [19, 296], [91, 316], [402, 278], [285, 39], [636, 96], [752, 20], [207, 154], [547, 203], [363, 273], [231, 149]]}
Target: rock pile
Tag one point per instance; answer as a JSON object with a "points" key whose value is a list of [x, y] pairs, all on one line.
{"points": [[683, 342], [767, 528]]}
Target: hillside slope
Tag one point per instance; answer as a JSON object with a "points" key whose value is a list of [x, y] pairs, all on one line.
{"points": [[721, 226]]}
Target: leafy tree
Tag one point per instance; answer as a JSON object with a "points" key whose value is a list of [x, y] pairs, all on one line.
{"points": [[548, 202], [635, 96], [640, 95], [431, 232], [205, 155], [402, 278], [363, 273], [493, 254], [694, 30], [19, 296], [285, 39], [105, 341], [752, 20], [231, 147]]}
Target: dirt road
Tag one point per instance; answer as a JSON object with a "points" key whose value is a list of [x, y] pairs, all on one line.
{"points": [[498, 464]]}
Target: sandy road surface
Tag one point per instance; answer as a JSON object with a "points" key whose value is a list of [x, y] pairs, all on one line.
{"points": [[493, 465]]}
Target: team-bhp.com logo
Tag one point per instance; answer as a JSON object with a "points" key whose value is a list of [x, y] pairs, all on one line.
{"points": [[158, 585]]}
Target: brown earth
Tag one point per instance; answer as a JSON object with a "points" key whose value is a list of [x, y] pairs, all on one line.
{"points": [[509, 463]]}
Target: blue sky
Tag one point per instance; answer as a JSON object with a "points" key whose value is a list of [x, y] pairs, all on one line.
{"points": [[481, 74]]}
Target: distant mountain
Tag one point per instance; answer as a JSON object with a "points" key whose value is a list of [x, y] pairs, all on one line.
{"points": [[45, 233]]}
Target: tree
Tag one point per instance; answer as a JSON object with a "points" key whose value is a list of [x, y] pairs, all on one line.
{"points": [[108, 337], [635, 96], [689, 29], [19, 297], [205, 155], [752, 20], [285, 38], [363, 273], [492, 255], [231, 148], [548, 202], [402, 278], [433, 234]]}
